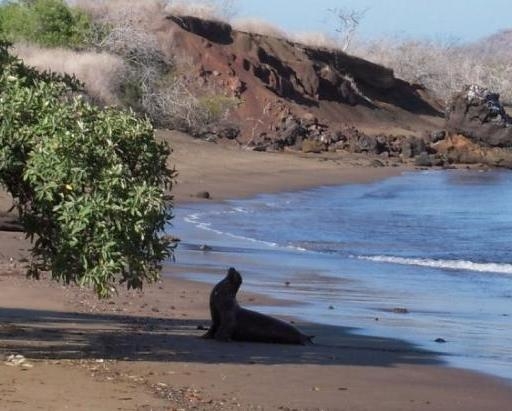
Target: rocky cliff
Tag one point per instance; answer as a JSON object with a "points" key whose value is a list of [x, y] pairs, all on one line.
{"points": [[283, 85], [317, 99]]}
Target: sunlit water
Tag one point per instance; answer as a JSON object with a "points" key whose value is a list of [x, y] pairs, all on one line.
{"points": [[434, 243]]}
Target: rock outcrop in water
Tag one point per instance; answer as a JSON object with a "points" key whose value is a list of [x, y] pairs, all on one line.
{"points": [[477, 114], [479, 129]]}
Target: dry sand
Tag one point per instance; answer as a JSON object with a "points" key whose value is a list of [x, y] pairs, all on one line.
{"points": [[141, 351], [230, 171]]}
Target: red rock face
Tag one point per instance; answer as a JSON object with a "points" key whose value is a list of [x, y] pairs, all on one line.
{"points": [[460, 149], [276, 79]]}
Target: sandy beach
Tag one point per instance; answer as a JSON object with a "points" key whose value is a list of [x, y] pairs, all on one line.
{"points": [[142, 351]]}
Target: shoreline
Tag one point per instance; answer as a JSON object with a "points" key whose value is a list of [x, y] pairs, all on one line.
{"points": [[142, 351], [232, 173], [222, 253]]}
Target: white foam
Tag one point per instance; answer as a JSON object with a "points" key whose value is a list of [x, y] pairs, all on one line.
{"points": [[296, 248], [448, 264], [195, 219], [241, 210]]}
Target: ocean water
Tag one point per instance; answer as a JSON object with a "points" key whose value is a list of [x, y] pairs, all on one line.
{"points": [[436, 244]]}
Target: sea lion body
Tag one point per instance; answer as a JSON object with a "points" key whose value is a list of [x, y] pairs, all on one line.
{"points": [[257, 327], [232, 322]]}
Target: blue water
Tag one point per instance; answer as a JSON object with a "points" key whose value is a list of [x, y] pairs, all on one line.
{"points": [[436, 243]]}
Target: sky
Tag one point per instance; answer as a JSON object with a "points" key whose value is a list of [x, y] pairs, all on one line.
{"points": [[459, 20]]}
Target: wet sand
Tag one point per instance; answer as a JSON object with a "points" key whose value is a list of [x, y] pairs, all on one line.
{"points": [[142, 351]]}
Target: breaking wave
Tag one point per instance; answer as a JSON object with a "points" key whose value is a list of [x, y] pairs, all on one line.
{"points": [[446, 264]]}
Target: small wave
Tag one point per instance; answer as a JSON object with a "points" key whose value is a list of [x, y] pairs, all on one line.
{"points": [[192, 218], [449, 264], [296, 248], [195, 219], [241, 210]]}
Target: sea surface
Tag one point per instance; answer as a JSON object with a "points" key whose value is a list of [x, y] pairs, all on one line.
{"points": [[423, 256]]}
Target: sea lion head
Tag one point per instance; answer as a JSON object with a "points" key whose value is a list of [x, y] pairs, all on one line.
{"points": [[234, 278]]}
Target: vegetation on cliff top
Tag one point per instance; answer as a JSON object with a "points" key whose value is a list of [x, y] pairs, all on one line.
{"points": [[50, 23]]}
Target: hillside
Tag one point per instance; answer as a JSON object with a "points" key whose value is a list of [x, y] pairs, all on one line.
{"points": [[496, 44], [279, 83]]}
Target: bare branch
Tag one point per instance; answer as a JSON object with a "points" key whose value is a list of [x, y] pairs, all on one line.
{"points": [[347, 22]]}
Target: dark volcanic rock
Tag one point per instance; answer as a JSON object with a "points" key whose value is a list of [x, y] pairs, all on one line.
{"points": [[412, 147], [400, 310], [436, 136], [360, 142], [477, 114], [203, 194], [312, 146], [229, 131], [377, 163], [212, 30], [423, 160]]}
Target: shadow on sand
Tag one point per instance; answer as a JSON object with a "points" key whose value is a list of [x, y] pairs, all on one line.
{"points": [[57, 335]]}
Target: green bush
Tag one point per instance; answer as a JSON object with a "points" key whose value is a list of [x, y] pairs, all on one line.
{"points": [[49, 23], [89, 184], [216, 106]]}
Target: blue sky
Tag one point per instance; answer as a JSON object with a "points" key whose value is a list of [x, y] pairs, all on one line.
{"points": [[464, 20]]}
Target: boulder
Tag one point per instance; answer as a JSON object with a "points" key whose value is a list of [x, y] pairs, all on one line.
{"points": [[204, 195], [423, 160], [225, 130], [460, 149], [436, 136], [412, 147], [477, 114], [309, 119], [377, 163], [312, 146]]}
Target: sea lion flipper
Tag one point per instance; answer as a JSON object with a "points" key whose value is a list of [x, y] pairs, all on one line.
{"points": [[209, 334], [227, 326]]}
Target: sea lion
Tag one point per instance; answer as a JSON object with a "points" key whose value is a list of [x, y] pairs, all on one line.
{"points": [[232, 322]]}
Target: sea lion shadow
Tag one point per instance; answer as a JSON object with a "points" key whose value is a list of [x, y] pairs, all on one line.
{"points": [[334, 345]]}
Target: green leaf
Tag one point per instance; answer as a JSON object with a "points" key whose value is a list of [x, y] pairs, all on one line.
{"points": [[89, 183]]}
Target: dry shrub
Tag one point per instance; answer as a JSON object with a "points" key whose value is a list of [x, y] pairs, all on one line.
{"points": [[309, 39], [223, 10], [146, 11], [179, 108], [123, 29], [100, 71], [140, 12], [315, 39], [443, 68], [257, 26], [153, 83]]}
